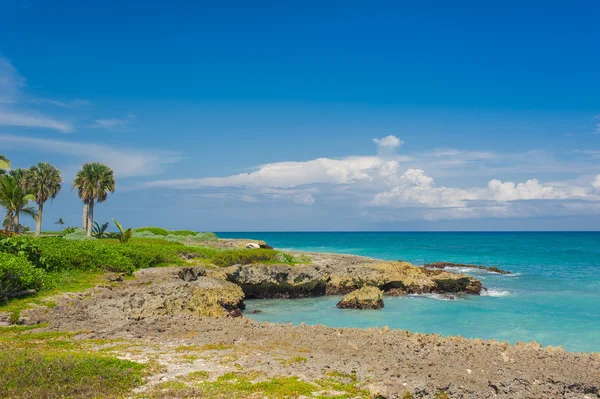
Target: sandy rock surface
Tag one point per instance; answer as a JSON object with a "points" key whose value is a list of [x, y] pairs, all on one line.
{"points": [[160, 309]]}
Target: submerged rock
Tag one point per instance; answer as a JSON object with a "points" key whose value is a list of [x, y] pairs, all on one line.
{"points": [[443, 265], [363, 298]]}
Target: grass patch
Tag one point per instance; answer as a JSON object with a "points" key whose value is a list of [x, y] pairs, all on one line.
{"points": [[249, 256], [254, 386], [54, 365], [31, 374], [67, 281]]}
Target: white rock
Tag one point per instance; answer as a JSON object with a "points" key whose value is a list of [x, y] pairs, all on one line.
{"points": [[252, 245]]}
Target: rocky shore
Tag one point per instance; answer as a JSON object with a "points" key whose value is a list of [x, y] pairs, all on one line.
{"points": [[333, 274], [165, 309]]}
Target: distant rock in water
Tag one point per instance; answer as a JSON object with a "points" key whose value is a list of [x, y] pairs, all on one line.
{"points": [[363, 298], [443, 265]]}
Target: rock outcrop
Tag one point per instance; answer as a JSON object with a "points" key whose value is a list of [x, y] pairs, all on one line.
{"points": [[331, 274], [363, 298], [276, 281], [443, 265]]}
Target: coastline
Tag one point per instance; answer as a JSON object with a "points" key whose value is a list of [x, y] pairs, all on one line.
{"points": [[384, 362]]}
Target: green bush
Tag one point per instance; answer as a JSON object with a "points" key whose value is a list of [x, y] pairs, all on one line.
{"points": [[69, 230], [78, 235], [183, 233], [63, 254], [22, 246], [248, 256], [154, 230], [18, 274]]}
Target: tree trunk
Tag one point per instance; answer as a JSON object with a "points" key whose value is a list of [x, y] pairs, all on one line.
{"points": [[38, 222], [90, 219], [84, 218], [15, 223]]}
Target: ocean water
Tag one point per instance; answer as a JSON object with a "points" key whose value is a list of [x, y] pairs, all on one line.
{"points": [[553, 297]]}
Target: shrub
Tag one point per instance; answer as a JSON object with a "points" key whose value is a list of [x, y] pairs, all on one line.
{"points": [[154, 230], [207, 236], [61, 254], [198, 238], [69, 230], [22, 246], [248, 256], [18, 274], [183, 233], [78, 235], [6, 234]]}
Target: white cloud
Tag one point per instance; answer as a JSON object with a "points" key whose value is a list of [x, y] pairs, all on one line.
{"points": [[11, 82], [415, 188], [395, 182], [387, 144], [114, 123], [12, 97], [596, 182], [293, 174], [20, 119], [126, 163]]}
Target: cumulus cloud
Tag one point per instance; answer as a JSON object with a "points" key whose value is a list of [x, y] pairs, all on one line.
{"points": [[387, 144], [392, 182], [293, 174], [415, 188], [126, 163]]}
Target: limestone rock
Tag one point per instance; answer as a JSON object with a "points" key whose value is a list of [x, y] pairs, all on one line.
{"points": [[276, 281], [363, 298]]}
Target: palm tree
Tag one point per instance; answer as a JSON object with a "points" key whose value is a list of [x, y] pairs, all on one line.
{"points": [[94, 181], [60, 222], [15, 199], [44, 182], [4, 164]]}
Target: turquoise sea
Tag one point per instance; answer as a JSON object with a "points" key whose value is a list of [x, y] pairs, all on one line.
{"points": [[553, 297]]}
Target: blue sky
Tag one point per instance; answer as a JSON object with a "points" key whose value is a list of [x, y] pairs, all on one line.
{"points": [[263, 115]]}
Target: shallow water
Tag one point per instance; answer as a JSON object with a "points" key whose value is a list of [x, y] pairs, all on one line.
{"points": [[553, 297]]}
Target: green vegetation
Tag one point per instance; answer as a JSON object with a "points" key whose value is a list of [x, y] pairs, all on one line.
{"points": [[249, 256], [247, 386], [4, 164], [94, 181], [58, 282], [99, 231], [181, 236], [124, 235], [60, 222], [15, 198], [18, 274], [53, 365], [154, 230], [44, 182]]}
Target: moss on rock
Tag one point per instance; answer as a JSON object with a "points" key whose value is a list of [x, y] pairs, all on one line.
{"points": [[363, 298]]}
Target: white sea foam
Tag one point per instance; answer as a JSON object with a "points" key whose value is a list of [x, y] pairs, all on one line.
{"points": [[494, 292], [513, 275], [466, 270]]}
